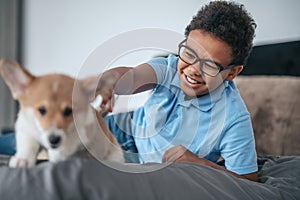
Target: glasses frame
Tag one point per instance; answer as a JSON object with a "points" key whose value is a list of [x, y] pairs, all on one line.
{"points": [[201, 60]]}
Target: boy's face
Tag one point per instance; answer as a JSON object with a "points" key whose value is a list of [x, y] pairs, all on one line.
{"points": [[193, 82]]}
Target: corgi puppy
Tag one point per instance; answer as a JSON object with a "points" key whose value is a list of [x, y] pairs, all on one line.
{"points": [[55, 113]]}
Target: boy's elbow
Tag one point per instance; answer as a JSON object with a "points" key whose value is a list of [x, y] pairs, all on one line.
{"points": [[252, 176]]}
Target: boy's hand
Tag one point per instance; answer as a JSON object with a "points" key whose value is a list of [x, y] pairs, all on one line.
{"points": [[105, 88], [181, 154]]}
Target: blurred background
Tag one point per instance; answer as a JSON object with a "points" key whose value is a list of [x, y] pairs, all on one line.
{"points": [[59, 35]]}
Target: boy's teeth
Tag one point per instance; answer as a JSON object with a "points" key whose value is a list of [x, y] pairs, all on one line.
{"points": [[191, 80]]}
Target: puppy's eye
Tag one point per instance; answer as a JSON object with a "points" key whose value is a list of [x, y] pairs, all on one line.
{"points": [[42, 110], [67, 112]]}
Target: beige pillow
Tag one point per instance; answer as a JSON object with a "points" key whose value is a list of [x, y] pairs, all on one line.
{"points": [[274, 105]]}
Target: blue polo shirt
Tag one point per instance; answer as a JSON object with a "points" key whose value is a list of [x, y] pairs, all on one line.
{"points": [[210, 126]]}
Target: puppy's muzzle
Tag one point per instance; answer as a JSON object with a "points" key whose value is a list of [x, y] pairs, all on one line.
{"points": [[54, 140]]}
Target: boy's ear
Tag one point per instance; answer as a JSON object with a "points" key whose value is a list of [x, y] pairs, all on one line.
{"points": [[234, 72], [15, 76]]}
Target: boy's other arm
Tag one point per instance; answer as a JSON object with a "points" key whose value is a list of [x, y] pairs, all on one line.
{"points": [[181, 154]]}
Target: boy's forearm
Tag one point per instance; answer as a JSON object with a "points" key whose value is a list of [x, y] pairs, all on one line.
{"points": [[181, 154], [121, 82], [252, 176], [131, 80]]}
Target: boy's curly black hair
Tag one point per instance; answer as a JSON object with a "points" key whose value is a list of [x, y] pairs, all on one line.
{"points": [[229, 22]]}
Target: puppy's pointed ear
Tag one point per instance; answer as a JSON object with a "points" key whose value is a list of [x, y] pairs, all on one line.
{"points": [[89, 86], [102, 84], [15, 76]]}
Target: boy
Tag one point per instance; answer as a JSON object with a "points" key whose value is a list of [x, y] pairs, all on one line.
{"points": [[195, 113]]}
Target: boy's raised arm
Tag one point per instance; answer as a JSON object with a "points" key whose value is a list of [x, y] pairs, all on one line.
{"points": [[125, 81]]}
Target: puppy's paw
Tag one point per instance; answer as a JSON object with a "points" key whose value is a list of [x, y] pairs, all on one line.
{"points": [[21, 162]]}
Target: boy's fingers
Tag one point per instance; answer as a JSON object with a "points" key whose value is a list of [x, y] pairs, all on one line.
{"points": [[174, 153], [173, 157], [108, 106]]}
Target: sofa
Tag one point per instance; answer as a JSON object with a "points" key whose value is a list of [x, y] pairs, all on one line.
{"points": [[273, 103]]}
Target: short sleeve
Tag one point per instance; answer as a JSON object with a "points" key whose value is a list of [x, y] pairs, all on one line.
{"points": [[165, 68], [160, 66], [238, 146]]}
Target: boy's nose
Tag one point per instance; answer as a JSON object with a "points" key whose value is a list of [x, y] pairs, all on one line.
{"points": [[194, 70]]}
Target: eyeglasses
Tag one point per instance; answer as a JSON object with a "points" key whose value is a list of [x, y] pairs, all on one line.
{"points": [[206, 66]]}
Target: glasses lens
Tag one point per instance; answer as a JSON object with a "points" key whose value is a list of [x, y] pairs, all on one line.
{"points": [[210, 68], [187, 55]]}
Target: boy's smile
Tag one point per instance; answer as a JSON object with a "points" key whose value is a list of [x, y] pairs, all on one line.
{"points": [[193, 82]]}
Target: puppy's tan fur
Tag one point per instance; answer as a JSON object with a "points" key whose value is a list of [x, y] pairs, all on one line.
{"points": [[55, 113]]}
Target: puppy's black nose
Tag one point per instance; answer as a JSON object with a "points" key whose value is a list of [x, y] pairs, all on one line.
{"points": [[54, 140]]}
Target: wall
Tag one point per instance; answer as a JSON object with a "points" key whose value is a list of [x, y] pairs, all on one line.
{"points": [[60, 34], [9, 48]]}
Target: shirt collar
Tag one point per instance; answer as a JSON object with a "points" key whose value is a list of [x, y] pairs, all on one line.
{"points": [[203, 103]]}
